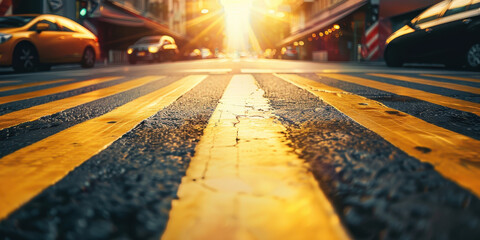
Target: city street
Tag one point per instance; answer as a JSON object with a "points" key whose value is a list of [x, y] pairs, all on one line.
{"points": [[240, 149]]}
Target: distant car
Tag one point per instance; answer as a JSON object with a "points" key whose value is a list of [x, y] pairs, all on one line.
{"points": [[289, 53], [269, 53], [447, 33], [32, 42], [153, 49], [201, 53]]}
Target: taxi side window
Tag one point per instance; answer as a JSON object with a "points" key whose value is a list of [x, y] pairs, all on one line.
{"points": [[457, 6], [66, 26], [51, 26], [66, 29], [431, 13]]}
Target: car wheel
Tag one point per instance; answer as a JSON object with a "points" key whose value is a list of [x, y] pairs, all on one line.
{"points": [[88, 59], [392, 58], [25, 58], [473, 56], [161, 57], [171, 56]]}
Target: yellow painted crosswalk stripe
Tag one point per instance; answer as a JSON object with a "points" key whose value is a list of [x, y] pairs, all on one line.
{"points": [[453, 78], [28, 171], [452, 86], [49, 91], [245, 182], [32, 84], [453, 155], [9, 81], [413, 93], [36, 112]]}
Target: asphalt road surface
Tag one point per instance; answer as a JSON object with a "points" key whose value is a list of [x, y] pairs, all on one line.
{"points": [[240, 149]]}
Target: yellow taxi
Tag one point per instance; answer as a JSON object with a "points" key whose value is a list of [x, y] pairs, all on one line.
{"points": [[35, 42]]}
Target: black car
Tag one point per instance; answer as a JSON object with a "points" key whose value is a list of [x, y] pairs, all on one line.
{"points": [[153, 49], [447, 33]]}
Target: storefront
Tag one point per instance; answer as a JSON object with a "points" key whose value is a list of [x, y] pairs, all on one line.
{"points": [[333, 35]]}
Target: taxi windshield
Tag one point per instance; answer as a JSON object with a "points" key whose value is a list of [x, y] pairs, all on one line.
{"points": [[15, 21]]}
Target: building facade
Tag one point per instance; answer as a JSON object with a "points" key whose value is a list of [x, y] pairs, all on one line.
{"points": [[205, 25], [346, 30]]}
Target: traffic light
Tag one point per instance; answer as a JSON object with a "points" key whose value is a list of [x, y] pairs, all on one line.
{"points": [[82, 8]]}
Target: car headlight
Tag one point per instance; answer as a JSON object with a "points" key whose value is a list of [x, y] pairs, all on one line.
{"points": [[4, 37], [130, 51], [153, 49]]}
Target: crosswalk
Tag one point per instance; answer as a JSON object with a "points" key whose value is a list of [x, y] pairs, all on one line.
{"points": [[244, 169]]}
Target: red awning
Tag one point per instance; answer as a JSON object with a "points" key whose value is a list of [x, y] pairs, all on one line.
{"points": [[113, 13], [115, 16], [325, 19]]}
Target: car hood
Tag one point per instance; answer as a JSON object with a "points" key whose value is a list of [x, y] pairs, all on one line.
{"points": [[10, 30], [400, 32]]}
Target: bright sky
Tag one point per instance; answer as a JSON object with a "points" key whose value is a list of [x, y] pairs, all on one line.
{"points": [[238, 30]]}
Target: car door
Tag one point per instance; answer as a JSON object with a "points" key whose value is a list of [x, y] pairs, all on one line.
{"points": [[448, 35], [418, 43], [48, 42], [75, 45]]}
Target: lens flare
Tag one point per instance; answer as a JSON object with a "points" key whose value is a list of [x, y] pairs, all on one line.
{"points": [[239, 35]]}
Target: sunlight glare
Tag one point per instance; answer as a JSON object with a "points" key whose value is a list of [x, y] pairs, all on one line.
{"points": [[237, 23]]}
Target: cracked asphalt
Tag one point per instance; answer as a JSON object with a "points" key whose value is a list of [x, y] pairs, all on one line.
{"points": [[126, 190]]}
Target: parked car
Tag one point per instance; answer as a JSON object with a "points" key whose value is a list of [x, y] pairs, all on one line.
{"points": [[153, 49], [33, 42], [269, 53], [201, 53], [289, 53], [447, 33]]}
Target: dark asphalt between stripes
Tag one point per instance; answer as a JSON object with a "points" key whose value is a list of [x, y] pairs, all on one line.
{"points": [[379, 191], [22, 104], [124, 192], [458, 121], [14, 138]]}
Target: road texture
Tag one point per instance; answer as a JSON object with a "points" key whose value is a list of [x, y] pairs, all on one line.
{"points": [[224, 149]]}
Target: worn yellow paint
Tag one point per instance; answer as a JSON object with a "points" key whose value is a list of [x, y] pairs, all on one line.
{"points": [[36, 112], [476, 80], [9, 81], [245, 182], [28, 171], [455, 156], [409, 92], [49, 91], [452, 86], [32, 84]]}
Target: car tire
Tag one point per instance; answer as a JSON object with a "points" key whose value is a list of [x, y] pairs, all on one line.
{"points": [[473, 56], [161, 57], [392, 58], [25, 58], [88, 58]]}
